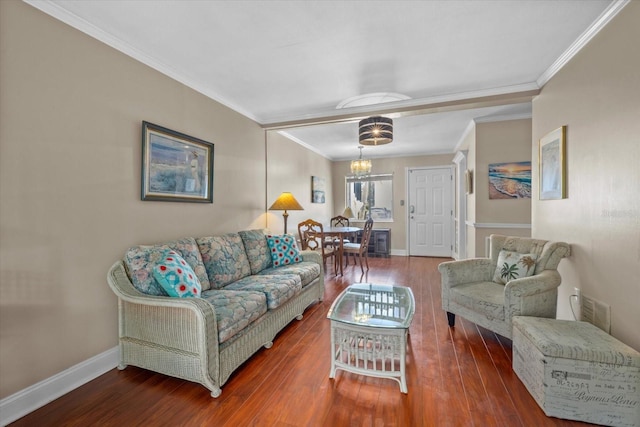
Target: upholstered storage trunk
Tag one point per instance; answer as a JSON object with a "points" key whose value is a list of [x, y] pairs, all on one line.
{"points": [[576, 371]]}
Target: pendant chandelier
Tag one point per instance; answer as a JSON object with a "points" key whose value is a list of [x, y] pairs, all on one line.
{"points": [[361, 167], [375, 131]]}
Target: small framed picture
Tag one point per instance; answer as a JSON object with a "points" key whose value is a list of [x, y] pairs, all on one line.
{"points": [[317, 189], [552, 165], [175, 167]]}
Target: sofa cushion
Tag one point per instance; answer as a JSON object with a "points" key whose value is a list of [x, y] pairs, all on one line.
{"points": [[140, 260], [284, 250], [176, 276], [486, 298], [278, 289], [308, 271], [235, 310], [224, 259], [255, 245], [513, 265]]}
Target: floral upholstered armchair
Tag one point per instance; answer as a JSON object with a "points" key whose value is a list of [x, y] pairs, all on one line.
{"points": [[519, 278]]}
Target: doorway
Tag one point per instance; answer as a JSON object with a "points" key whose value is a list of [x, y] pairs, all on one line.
{"points": [[430, 211]]}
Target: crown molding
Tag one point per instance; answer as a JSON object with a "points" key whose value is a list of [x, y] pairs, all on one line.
{"points": [[581, 41], [61, 14], [304, 144]]}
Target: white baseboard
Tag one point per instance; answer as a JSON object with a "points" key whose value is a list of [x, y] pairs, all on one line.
{"points": [[398, 252], [33, 397]]}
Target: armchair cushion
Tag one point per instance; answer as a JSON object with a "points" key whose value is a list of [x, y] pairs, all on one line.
{"points": [[513, 265], [484, 298], [176, 276]]}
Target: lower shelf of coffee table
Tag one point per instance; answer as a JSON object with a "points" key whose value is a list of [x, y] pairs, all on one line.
{"points": [[368, 350]]}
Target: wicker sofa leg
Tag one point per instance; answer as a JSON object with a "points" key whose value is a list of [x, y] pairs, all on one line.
{"points": [[451, 318], [216, 392]]}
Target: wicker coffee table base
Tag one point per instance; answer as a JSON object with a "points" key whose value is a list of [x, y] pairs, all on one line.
{"points": [[369, 350]]}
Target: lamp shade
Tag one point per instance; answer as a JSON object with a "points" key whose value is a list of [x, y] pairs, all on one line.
{"points": [[375, 131], [284, 202], [348, 213]]}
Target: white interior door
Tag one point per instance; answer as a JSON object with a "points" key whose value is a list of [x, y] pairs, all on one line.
{"points": [[430, 212]]}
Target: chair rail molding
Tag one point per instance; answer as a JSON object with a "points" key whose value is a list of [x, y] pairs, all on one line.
{"points": [[496, 225]]}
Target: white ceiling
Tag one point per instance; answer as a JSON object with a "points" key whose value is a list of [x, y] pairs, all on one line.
{"points": [[285, 63]]}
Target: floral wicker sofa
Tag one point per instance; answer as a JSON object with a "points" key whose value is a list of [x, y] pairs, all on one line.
{"points": [[244, 303]]}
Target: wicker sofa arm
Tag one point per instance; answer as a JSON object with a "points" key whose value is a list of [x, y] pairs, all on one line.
{"points": [[311, 256], [172, 313], [466, 271]]}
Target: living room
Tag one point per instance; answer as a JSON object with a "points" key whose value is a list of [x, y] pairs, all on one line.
{"points": [[71, 110]]}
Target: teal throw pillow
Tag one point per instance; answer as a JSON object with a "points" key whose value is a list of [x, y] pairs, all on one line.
{"points": [[176, 277], [284, 250], [513, 265]]}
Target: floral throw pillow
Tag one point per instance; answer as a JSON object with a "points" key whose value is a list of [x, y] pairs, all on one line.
{"points": [[512, 265], [176, 277], [284, 250]]}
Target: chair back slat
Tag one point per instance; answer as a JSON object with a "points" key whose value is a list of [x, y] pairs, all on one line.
{"points": [[366, 234], [339, 221]]}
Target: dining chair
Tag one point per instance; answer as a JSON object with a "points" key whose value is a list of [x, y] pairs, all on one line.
{"points": [[337, 221], [312, 238], [360, 249]]}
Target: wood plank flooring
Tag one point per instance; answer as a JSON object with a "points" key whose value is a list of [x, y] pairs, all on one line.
{"points": [[458, 376]]}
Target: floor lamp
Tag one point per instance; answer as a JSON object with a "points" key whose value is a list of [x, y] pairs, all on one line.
{"points": [[285, 202]]}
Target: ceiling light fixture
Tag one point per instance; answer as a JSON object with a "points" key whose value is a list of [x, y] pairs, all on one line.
{"points": [[375, 131], [361, 167]]}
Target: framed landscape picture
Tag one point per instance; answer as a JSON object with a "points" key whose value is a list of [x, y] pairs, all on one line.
{"points": [[552, 165], [175, 167]]}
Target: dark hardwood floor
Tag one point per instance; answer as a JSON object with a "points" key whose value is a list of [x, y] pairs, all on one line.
{"points": [[456, 377]]}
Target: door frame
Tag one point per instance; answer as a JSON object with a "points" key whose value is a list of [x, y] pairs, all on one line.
{"points": [[460, 160], [407, 188]]}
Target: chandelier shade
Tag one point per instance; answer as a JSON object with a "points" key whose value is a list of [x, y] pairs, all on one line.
{"points": [[375, 131], [361, 167]]}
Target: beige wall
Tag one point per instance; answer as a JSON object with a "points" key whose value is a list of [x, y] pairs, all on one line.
{"points": [[597, 96], [70, 150], [496, 142], [290, 167], [398, 167]]}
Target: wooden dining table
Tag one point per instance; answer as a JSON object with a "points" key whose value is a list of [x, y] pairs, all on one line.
{"points": [[339, 233]]}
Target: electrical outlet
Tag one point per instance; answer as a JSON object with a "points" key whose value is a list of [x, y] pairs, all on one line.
{"points": [[578, 294]]}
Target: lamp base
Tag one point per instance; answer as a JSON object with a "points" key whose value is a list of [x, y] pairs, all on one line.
{"points": [[285, 215]]}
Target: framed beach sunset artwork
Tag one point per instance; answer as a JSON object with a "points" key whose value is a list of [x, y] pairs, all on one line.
{"points": [[510, 180]]}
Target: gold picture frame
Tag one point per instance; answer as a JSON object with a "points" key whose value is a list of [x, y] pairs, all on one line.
{"points": [[552, 164]]}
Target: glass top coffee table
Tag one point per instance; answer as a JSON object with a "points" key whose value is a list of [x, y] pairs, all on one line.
{"points": [[369, 327]]}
